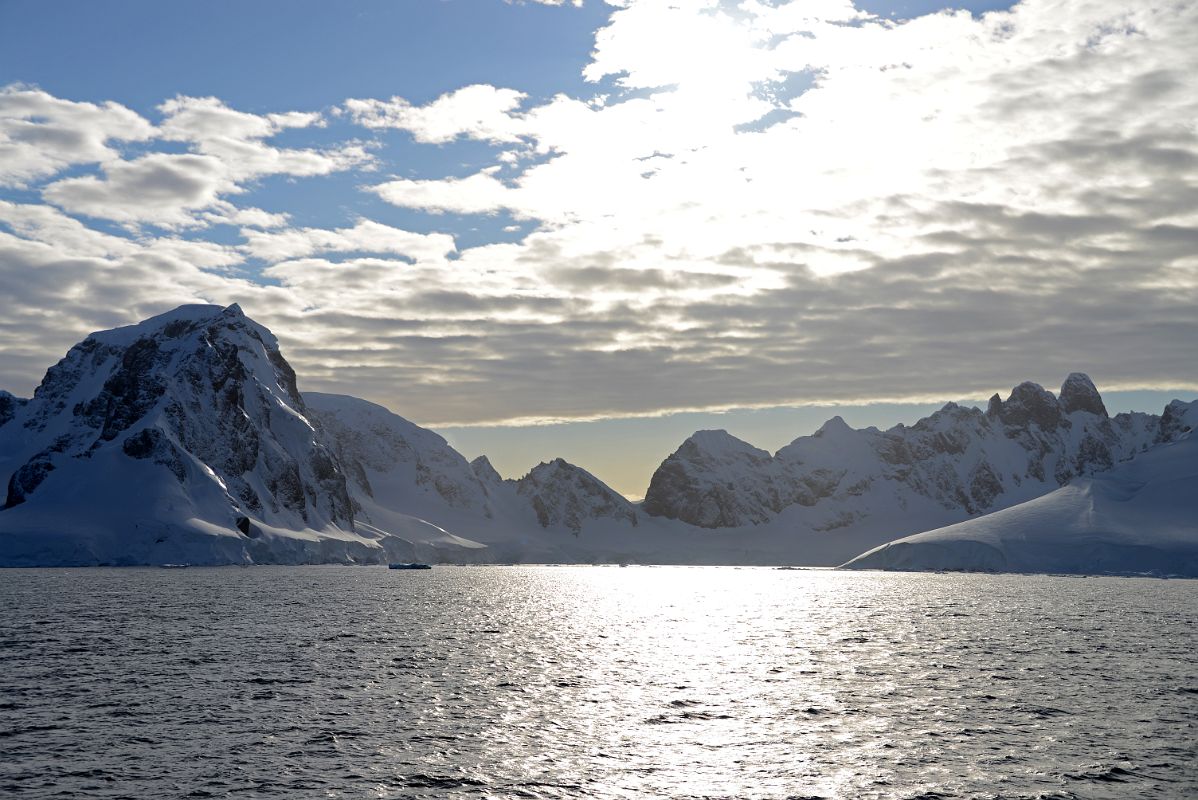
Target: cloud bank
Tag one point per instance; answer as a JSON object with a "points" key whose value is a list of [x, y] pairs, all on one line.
{"points": [[758, 204]]}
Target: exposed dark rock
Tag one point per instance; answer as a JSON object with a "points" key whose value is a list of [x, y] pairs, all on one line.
{"points": [[994, 408], [151, 443], [563, 494], [1172, 424], [1079, 394], [26, 479], [9, 406], [1031, 404], [1093, 455], [984, 486], [286, 376]]}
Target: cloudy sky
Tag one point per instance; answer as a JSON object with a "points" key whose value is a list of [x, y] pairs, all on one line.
{"points": [[627, 215]]}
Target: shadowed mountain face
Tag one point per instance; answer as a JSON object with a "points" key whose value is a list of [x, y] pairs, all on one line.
{"points": [[960, 459], [203, 392], [186, 437], [563, 494]]}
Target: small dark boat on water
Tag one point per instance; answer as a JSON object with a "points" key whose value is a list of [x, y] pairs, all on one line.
{"points": [[409, 566], [174, 566]]}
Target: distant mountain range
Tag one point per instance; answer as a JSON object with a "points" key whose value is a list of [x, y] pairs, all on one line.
{"points": [[186, 439]]}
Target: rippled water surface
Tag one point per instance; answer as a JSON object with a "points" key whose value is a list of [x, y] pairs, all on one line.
{"points": [[594, 682]]}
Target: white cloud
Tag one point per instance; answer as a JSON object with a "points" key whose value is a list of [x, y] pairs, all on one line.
{"points": [[41, 135], [481, 193], [161, 188], [477, 112], [366, 236]]}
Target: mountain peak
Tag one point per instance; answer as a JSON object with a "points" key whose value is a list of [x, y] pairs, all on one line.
{"points": [[199, 385], [563, 494], [484, 471], [1030, 403], [720, 443], [1078, 393], [834, 427]]}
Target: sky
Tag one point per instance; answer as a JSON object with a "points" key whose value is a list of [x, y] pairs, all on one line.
{"points": [[588, 229]]}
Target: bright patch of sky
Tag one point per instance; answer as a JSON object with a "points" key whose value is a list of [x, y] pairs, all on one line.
{"points": [[484, 213]]}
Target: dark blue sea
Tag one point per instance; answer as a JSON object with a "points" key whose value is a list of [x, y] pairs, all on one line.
{"points": [[589, 682]]}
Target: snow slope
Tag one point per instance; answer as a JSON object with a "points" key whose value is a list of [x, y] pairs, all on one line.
{"points": [[1140, 517], [399, 472]]}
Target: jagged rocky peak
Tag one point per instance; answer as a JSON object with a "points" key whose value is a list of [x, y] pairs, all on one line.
{"points": [[484, 471], [1078, 393], [9, 406], [566, 495], [1030, 403], [1178, 419], [201, 390], [961, 459], [714, 480]]}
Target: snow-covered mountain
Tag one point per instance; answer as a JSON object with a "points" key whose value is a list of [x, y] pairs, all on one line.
{"points": [[185, 439], [398, 470], [562, 494], [959, 462], [1139, 517], [181, 437]]}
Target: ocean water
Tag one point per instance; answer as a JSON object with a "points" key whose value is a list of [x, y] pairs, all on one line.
{"points": [[556, 682]]}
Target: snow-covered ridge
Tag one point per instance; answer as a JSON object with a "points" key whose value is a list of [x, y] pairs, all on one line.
{"points": [[1139, 517], [186, 438], [960, 460]]}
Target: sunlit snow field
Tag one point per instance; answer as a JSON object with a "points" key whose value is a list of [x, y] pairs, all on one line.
{"points": [[594, 682]]}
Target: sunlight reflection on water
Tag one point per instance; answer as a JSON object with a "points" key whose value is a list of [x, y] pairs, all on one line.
{"points": [[594, 682]]}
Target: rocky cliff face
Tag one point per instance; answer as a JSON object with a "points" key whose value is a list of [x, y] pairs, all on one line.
{"points": [[9, 406], [715, 480], [566, 495], [201, 386], [181, 434], [961, 459]]}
